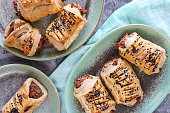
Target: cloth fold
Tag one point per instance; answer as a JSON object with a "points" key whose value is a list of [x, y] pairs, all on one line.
{"points": [[155, 13]]}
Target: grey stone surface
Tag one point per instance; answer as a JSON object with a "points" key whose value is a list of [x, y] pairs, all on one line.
{"points": [[49, 66]]}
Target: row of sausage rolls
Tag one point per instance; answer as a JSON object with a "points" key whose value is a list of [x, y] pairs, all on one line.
{"points": [[60, 34], [119, 78], [118, 75]]}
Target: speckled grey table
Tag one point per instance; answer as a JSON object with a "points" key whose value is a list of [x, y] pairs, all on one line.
{"points": [[49, 66]]}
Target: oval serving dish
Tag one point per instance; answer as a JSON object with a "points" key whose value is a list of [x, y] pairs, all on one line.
{"points": [[155, 87]]}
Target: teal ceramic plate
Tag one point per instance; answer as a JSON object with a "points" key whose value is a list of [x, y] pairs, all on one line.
{"points": [[94, 8], [155, 87], [12, 78]]}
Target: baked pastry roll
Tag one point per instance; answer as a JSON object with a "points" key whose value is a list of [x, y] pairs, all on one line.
{"points": [[27, 98], [22, 36], [66, 27], [92, 95], [33, 10], [149, 57], [122, 82]]}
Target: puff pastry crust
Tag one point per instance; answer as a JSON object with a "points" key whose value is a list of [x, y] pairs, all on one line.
{"points": [[27, 99], [33, 10], [92, 95], [66, 27], [22, 36], [122, 82], [149, 57]]}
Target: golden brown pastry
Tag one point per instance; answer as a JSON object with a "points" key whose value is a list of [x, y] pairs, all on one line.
{"points": [[66, 27], [122, 82], [92, 95], [149, 57], [21, 35], [27, 99], [33, 10]]}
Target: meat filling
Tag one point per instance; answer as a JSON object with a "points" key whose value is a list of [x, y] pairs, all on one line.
{"points": [[111, 62], [80, 80], [115, 61], [82, 10], [27, 108], [112, 111], [34, 91], [40, 45], [122, 42], [16, 9], [138, 99]]}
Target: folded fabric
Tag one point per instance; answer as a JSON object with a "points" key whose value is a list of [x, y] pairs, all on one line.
{"points": [[154, 13]]}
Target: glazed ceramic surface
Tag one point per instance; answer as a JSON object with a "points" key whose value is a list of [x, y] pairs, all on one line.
{"points": [[12, 78], [155, 87], [94, 8]]}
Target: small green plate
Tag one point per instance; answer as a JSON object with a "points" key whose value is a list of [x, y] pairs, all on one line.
{"points": [[12, 78], [155, 87], [94, 8]]}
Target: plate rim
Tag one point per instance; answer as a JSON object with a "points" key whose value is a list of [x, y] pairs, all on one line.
{"points": [[60, 56], [41, 73], [164, 94]]}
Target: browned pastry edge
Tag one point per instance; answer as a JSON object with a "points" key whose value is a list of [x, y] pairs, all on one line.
{"points": [[80, 80], [40, 45], [82, 10], [18, 13], [27, 48], [16, 9], [46, 41], [121, 43], [11, 29]]}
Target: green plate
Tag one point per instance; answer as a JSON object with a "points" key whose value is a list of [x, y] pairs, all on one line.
{"points": [[155, 87], [12, 78], [94, 8]]}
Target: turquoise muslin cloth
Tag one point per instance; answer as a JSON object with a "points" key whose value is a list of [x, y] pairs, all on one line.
{"points": [[155, 13]]}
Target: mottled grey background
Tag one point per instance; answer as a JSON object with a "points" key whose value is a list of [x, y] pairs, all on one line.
{"points": [[49, 66]]}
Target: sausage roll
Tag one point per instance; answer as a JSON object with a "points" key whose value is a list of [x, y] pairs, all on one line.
{"points": [[122, 82], [21, 35], [66, 27], [27, 99], [92, 95], [149, 57], [33, 10]]}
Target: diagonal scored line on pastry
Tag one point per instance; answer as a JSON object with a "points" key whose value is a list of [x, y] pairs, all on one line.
{"points": [[22, 36], [92, 95], [122, 82], [27, 98], [149, 57], [66, 27], [33, 10]]}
